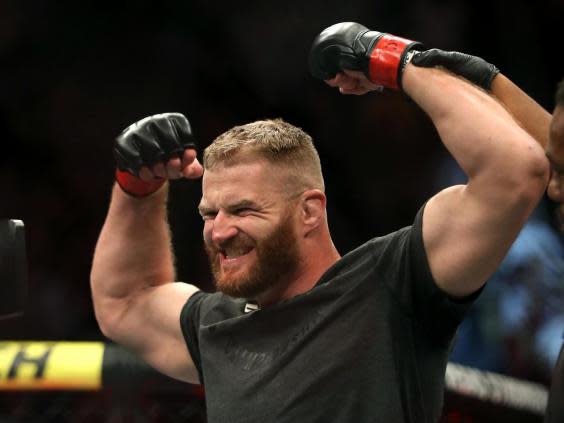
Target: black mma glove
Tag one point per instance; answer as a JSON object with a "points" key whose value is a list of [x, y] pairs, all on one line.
{"points": [[155, 139], [348, 45], [474, 69]]}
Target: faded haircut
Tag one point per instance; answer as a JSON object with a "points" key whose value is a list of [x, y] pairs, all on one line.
{"points": [[282, 144], [559, 98]]}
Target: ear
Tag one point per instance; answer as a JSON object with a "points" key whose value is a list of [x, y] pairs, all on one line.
{"points": [[312, 213]]}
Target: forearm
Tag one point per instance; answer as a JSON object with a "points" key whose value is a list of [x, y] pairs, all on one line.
{"points": [[481, 135], [526, 111], [134, 248]]}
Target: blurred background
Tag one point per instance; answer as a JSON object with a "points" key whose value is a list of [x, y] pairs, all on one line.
{"points": [[74, 74]]}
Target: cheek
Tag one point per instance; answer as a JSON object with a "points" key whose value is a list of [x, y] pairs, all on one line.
{"points": [[207, 232], [254, 228]]}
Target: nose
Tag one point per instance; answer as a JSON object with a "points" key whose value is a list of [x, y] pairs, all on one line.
{"points": [[555, 190], [221, 228]]}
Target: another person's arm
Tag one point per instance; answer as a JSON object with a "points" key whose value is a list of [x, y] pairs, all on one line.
{"points": [[135, 300], [526, 111]]}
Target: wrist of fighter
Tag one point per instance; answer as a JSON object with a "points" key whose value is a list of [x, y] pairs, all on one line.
{"points": [[388, 59], [135, 186]]}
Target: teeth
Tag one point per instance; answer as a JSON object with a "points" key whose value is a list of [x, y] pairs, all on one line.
{"points": [[236, 253]]}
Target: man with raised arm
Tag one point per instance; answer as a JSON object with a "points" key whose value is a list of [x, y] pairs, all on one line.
{"points": [[548, 131], [296, 332]]}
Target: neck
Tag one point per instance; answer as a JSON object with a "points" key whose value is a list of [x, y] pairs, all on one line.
{"points": [[312, 266]]}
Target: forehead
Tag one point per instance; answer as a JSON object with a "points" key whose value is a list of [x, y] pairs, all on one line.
{"points": [[555, 148], [255, 180]]}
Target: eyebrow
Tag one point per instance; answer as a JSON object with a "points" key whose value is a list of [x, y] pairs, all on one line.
{"points": [[202, 209], [244, 203]]}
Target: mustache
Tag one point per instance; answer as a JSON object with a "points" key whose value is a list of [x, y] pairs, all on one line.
{"points": [[238, 242]]}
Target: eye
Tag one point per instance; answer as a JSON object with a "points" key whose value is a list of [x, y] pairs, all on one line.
{"points": [[243, 211], [208, 216]]}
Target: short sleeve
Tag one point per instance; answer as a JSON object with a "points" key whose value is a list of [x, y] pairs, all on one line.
{"points": [[428, 294], [411, 282], [189, 323]]}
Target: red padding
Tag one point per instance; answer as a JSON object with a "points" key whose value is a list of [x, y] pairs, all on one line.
{"points": [[385, 60], [135, 186]]}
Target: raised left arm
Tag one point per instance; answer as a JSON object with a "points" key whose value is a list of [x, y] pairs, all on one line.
{"points": [[468, 229]]}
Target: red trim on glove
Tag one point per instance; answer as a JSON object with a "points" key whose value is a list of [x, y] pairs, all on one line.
{"points": [[385, 60], [135, 186]]}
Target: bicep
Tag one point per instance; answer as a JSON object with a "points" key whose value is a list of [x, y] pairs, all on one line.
{"points": [[149, 326], [466, 236]]}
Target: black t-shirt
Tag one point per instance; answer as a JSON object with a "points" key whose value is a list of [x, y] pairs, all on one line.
{"points": [[369, 343]]}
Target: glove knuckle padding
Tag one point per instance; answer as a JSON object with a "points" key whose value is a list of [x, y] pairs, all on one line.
{"points": [[127, 155], [127, 159], [151, 140], [349, 45], [336, 48], [163, 134], [183, 130], [149, 147]]}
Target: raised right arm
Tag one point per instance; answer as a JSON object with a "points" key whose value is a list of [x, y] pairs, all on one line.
{"points": [[136, 302]]}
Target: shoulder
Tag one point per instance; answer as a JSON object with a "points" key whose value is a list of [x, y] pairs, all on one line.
{"points": [[209, 308], [405, 244], [373, 257]]}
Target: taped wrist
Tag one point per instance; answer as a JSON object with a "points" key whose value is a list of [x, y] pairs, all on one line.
{"points": [[473, 68]]}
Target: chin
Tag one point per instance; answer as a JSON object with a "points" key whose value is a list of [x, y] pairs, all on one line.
{"points": [[238, 286]]}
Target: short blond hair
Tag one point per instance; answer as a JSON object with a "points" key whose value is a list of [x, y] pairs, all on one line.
{"points": [[275, 140]]}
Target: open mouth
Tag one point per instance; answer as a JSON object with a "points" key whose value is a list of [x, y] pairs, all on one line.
{"points": [[234, 256]]}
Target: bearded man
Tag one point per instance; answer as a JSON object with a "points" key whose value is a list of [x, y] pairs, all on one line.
{"points": [[297, 332]]}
